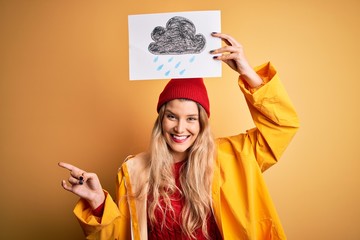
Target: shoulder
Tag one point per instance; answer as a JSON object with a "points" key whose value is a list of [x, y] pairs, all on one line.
{"points": [[137, 162], [138, 158], [234, 139]]}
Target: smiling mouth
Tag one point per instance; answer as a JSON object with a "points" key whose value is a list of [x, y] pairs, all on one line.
{"points": [[179, 139]]}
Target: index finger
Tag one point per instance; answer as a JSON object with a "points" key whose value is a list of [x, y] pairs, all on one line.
{"points": [[229, 40], [68, 166]]}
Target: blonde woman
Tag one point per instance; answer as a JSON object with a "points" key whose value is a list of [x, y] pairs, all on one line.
{"points": [[188, 185]]}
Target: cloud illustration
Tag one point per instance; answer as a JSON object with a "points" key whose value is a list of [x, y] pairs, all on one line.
{"points": [[179, 37]]}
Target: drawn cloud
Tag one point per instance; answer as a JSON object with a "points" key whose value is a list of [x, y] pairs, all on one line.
{"points": [[179, 37]]}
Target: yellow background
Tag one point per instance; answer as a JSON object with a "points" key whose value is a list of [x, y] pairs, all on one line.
{"points": [[65, 96]]}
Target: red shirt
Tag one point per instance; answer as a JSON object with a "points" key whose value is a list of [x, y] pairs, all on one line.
{"points": [[172, 229]]}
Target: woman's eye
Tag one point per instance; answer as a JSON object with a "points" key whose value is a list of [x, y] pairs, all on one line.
{"points": [[170, 116], [192, 119]]}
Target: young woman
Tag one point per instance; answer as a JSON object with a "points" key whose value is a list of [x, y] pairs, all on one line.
{"points": [[189, 186]]}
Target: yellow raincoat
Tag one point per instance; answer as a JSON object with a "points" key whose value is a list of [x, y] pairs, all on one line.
{"points": [[242, 205]]}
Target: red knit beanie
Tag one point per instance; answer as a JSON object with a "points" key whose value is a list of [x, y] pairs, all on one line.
{"points": [[188, 88]]}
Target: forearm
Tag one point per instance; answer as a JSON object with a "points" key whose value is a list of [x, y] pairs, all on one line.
{"points": [[94, 225], [271, 101], [252, 79], [273, 114]]}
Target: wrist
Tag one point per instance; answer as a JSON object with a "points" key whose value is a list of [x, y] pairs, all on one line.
{"points": [[97, 200], [251, 78]]}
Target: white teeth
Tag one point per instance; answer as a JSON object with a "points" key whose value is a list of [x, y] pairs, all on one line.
{"points": [[179, 137]]}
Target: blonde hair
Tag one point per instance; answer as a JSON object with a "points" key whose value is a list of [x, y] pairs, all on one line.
{"points": [[195, 177]]}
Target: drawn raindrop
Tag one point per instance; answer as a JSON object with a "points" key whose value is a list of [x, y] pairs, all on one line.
{"points": [[167, 73], [177, 65], [156, 59], [192, 59], [170, 59], [182, 71], [160, 67]]}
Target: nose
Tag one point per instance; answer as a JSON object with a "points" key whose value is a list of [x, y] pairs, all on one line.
{"points": [[180, 126]]}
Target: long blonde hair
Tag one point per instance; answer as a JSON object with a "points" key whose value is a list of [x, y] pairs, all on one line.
{"points": [[195, 177]]}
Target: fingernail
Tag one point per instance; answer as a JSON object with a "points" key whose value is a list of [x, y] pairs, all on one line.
{"points": [[215, 57], [214, 32], [81, 178], [211, 51], [81, 182]]}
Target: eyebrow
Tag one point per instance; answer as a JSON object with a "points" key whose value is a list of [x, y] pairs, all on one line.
{"points": [[189, 115]]}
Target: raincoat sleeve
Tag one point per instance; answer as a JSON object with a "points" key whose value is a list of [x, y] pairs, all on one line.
{"points": [[273, 114], [115, 222]]}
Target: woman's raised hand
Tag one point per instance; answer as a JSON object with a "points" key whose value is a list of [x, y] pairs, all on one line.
{"points": [[85, 185], [233, 55]]}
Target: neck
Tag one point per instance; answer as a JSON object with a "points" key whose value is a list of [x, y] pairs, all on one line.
{"points": [[179, 157]]}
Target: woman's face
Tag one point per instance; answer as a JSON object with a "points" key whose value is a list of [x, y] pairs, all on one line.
{"points": [[180, 126]]}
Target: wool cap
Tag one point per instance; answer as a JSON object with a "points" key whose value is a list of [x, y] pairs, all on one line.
{"points": [[185, 88]]}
